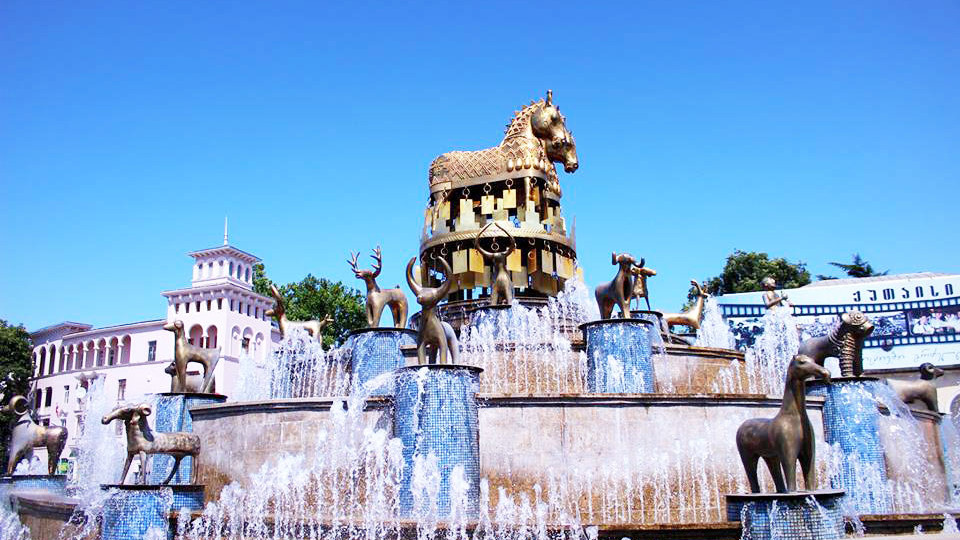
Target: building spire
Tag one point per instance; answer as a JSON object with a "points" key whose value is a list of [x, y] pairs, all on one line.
{"points": [[225, 240]]}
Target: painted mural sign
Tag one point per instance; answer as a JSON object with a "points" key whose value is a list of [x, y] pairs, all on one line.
{"points": [[917, 316]]}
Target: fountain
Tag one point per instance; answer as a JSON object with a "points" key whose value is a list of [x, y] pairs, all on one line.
{"points": [[515, 407]]}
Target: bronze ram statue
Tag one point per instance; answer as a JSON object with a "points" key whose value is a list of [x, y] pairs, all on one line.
{"points": [[141, 440], [27, 435]]}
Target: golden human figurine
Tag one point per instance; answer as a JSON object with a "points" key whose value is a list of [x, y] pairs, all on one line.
{"points": [[640, 290], [770, 297], [432, 332], [501, 290]]}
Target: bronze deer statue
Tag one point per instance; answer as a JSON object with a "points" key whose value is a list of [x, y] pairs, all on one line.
{"points": [[184, 353], [501, 290], [378, 298], [432, 333], [617, 292], [692, 316], [279, 312], [27, 435], [787, 437], [141, 440]]}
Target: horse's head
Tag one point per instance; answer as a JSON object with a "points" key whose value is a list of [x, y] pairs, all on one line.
{"points": [[803, 367], [551, 127]]}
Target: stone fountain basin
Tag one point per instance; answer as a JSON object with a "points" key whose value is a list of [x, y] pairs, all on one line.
{"points": [[613, 459]]}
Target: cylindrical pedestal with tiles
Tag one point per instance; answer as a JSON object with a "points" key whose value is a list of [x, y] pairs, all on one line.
{"points": [[173, 414], [435, 416], [803, 515], [53, 483], [131, 512], [619, 356], [850, 420], [375, 351]]}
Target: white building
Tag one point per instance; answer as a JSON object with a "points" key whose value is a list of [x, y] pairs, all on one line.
{"points": [[219, 309]]}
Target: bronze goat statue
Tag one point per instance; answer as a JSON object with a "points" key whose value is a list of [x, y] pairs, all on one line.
{"points": [[617, 292], [432, 333], [184, 353], [690, 318], [194, 380], [922, 390], [279, 312], [378, 298], [787, 437], [27, 435], [501, 290], [844, 342], [142, 441]]}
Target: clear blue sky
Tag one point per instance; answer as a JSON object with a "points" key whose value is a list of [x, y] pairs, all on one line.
{"points": [[809, 130]]}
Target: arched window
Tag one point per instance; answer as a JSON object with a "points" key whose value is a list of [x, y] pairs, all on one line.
{"points": [[212, 336], [43, 362], [195, 337], [53, 359], [231, 269], [247, 275]]}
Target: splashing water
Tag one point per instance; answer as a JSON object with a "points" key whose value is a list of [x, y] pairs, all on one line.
{"points": [[296, 367], [714, 331], [765, 364]]}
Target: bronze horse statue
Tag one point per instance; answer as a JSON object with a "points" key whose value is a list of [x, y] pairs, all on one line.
{"points": [[536, 138], [787, 437]]}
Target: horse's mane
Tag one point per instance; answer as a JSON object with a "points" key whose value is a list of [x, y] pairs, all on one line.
{"points": [[521, 119]]}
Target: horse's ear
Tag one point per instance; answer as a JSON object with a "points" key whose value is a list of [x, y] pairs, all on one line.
{"points": [[613, 258], [549, 98]]}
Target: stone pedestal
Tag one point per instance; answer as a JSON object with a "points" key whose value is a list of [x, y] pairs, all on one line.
{"points": [[619, 356], [804, 515], [850, 419], [132, 511], [54, 483], [173, 414], [375, 351], [435, 415]]}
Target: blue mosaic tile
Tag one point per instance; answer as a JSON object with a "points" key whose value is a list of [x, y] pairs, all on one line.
{"points": [[375, 352], [173, 414], [131, 514], [54, 484], [619, 356], [793, 518], [850, 420], [441, 421]]}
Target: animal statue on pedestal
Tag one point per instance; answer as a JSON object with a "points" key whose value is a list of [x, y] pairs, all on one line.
{"points": [[279, 312], [194, 381], [378, 298], [923, 390], [184, 353], [844, 342], [27, 435], [535, 139], [142, 441], [692, 317], [617, 292], [787, 437], [640, 274], [432, 332], [501, 290]]}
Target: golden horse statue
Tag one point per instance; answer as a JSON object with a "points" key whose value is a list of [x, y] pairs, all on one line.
{"points": [[536, 138]]}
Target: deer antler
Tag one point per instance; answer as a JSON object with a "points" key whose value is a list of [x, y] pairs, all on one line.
{"points": [[353, 260], [378, 261]]}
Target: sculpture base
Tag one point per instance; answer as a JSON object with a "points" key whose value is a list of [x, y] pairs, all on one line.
{"points": [[373, 352], [131, 512], [619, 356], [851, 421], [54, 483], [173, 414], [802, 515], [436, 417]]}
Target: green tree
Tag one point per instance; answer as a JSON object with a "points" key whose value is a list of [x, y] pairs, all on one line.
{"points": [[746, 269], [16, 367], [315, 298], [857, 268]]}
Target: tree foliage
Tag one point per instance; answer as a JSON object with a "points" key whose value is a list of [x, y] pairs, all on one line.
{"points": [[857, 268], [314, 298], [745, 270], [16, 367]]}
